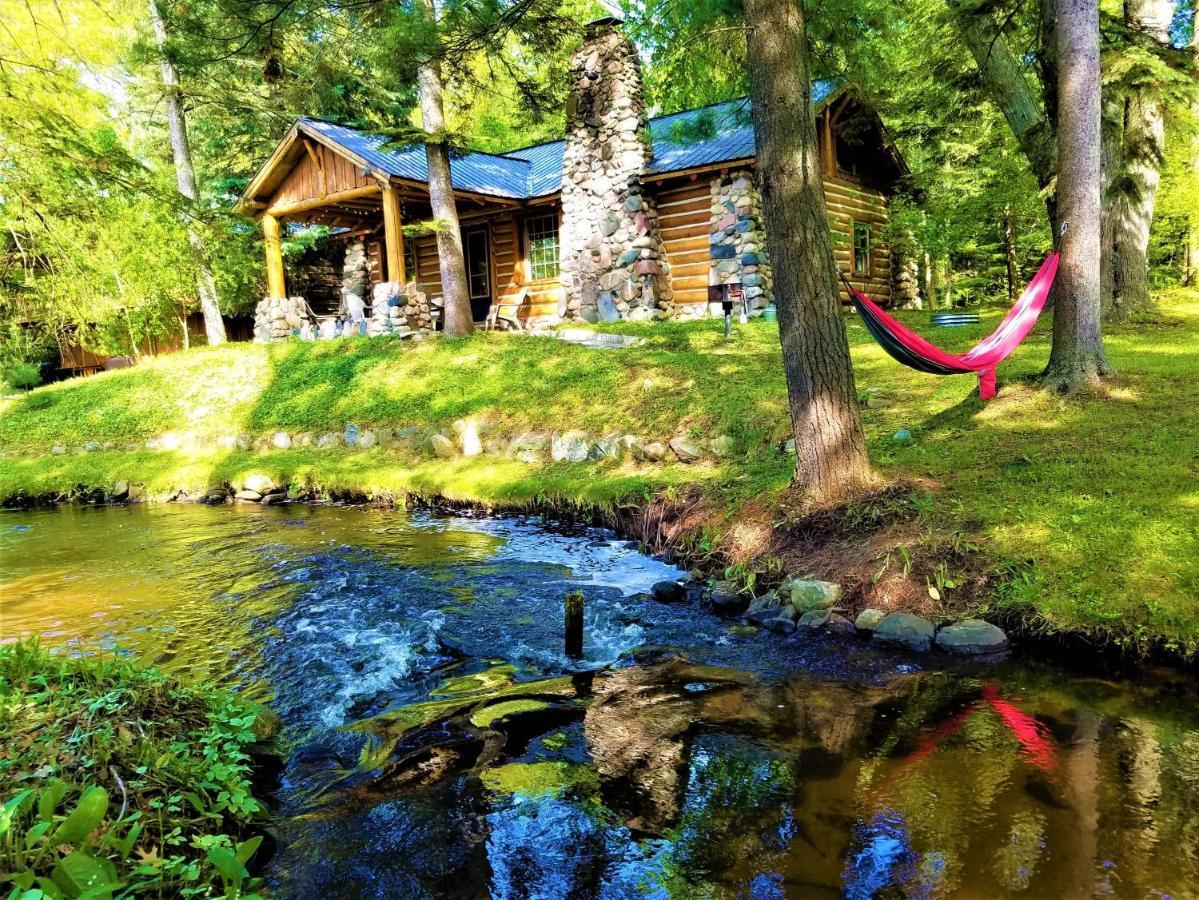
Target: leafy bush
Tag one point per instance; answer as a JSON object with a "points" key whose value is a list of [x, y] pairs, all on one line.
{"points": [[119, 780], [23, 376]]}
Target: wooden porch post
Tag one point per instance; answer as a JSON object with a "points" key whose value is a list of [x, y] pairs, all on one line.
{"points": [[393, 236], [276, 287]]}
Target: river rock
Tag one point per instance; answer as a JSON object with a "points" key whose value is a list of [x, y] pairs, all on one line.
{"points": [[214, 496], [367, 439], [281, 440], [780, 625], [726, 599], [120, 492], [259, 484], [247, 496], [442, 446], [328, 439], [905, 630], [571, 446], [868, 620], [668, 592], [762, 608], [685, 449], [807, 595], [274, 499], [825, 620], [59, 449], [609, 446], [654, 451], [970, 637], [722, 445]]}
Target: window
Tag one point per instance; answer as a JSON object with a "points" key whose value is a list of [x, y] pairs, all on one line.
{"points": [[411, 272], [543, 247], [861, 248]]}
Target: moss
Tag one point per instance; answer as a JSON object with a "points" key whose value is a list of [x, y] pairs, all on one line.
{"points": [[490, 714], [541, 778]]}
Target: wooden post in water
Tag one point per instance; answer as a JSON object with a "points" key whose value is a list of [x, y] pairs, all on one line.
{"points": [[574, 624]]}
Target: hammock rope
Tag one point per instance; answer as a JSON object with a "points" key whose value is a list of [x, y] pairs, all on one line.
{"points": [[910, 349]]}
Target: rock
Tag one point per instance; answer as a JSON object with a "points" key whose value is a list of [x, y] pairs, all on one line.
{"points": [[654, 451], [607, 447], [91, 446], [442, 446], [367, 439], [970, 637], [248, 496], [824, 620], [274, 499], [685, 449], [808, 595], [668, 592], [722, 445], [468, 435], [877, 401], [329, 439], [572, 446], [780, 625], [762, 608], [120, 491], [351, 436], [902, 436], [259, 484], [214, 496], [868, 620], [281, 440], [59, 449], [789, 446], [726, 599], [905, 630]]}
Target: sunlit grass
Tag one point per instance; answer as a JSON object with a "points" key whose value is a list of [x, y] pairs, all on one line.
{"points": [[1092, 501]]}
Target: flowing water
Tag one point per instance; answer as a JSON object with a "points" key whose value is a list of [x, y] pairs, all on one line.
{"points": [[439, 744]]}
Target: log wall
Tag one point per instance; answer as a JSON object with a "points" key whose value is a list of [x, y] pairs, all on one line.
{"points": [[684, 215]]}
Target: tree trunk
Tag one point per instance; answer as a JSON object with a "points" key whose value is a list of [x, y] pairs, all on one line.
{"points": [[1076, 359], [1111, 162], [1143, 150], [831, 461], [457, 318], [1015, 97], [1009, 252], [1191, 275], [185, 176]]}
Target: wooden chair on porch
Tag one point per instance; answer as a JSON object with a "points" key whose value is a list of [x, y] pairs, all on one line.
{"points": [[497, 320]]}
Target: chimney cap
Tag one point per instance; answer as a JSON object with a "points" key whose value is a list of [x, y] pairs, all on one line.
{"points": [[604, 23]]}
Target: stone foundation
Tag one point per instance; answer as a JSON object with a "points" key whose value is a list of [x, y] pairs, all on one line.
{"points": [[399, 309], [278, 318], [612, 261]]}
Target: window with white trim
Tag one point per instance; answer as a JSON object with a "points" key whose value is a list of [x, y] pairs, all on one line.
{"points": [[543, 246]]}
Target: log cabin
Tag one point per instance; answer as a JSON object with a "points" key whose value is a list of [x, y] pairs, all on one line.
{"points": [[628, 217]]}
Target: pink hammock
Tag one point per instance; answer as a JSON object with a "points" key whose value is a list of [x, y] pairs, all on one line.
{"points": [[909, 348]]}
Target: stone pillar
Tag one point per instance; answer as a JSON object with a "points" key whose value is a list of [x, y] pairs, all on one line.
{"points": [[613, 265], [353, 273], [905, 273], [737, 240]]}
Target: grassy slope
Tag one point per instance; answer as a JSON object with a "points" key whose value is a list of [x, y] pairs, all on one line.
{"points": [[1102, 493]]}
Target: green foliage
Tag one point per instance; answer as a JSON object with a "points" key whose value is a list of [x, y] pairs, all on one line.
{"points": [[118, 780], [22, 376]]}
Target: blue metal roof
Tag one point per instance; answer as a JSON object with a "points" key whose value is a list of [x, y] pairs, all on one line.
{"points": [[709, 135]]}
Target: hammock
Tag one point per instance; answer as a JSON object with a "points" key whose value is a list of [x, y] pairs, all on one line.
{"points": [[913, 351]]}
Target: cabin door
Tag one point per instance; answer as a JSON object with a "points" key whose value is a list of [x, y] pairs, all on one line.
{"points": [[475, 246]]}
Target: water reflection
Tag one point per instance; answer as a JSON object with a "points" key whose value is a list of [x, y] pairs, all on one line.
{"points": [[440, 744]]}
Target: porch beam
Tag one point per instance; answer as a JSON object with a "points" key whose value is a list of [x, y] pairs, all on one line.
{"points": [[393, 237], [276, 286], [290, 209]]}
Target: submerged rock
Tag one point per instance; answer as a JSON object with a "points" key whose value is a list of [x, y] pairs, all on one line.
{"points": [[780, 625], [762, 608], [727, 599], [971, 637], [825, 620], [905, 630]]}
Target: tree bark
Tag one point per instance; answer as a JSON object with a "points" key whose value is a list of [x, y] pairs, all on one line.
{"points": [[831, 461], [1191, 275], [1144, 147], [185, 177], [457, 318], [1112, 144], [1009, 252], [1077, 359]]}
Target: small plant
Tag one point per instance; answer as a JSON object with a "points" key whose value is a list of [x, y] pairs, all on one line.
{"points": [[23, 376], [116, 779]]}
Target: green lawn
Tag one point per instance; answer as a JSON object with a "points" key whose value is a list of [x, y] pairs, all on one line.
{"points": [[1091, 505]]}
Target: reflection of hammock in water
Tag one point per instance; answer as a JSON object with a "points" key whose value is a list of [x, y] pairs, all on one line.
{"points": [[886, 856], [913, 351]]}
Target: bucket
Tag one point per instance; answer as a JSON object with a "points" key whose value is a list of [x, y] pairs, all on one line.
{"points": [[771, 313]]}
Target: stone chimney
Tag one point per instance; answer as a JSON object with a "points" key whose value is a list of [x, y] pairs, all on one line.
{"points": [[613, 266]]}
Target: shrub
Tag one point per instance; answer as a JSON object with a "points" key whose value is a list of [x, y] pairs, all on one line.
{"points": [[23, 376]]}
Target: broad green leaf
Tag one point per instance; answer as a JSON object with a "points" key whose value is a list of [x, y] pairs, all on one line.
{"points": [[88, 813], [246, 849], [78, 873], [227, 864], [49, 798], [34, 834], [9, 811]]}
